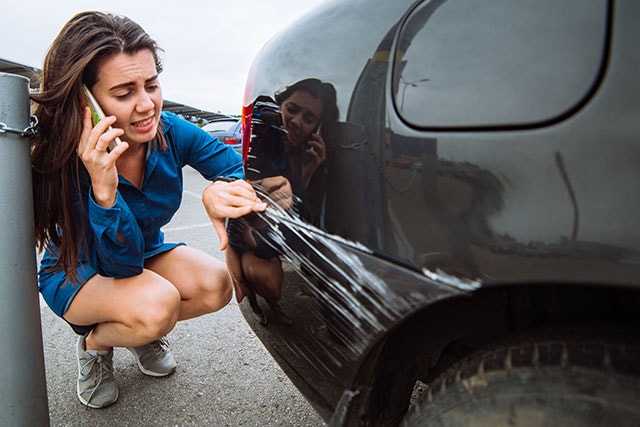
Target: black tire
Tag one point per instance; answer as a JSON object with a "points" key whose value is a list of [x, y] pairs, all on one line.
{"points": [[538, 381]]}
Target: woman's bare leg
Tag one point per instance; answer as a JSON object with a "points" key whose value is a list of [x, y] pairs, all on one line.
{"points": [[129, 312], [203, 281], [176, 285]]}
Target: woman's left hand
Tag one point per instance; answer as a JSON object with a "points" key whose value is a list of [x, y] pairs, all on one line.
{"points": [[224, 200]]}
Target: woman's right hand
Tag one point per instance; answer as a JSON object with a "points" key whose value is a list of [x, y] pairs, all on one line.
{"points": [[229, 200], [314, 155], [100, 163]]}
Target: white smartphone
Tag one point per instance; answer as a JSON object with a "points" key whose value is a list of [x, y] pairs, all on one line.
{"points": [[97, 114]]}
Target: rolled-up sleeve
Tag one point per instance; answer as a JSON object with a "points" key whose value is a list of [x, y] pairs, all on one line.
{"points": [[119, 243]]}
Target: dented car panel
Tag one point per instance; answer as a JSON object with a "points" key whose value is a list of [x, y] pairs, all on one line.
{"points": [[442, 166]]}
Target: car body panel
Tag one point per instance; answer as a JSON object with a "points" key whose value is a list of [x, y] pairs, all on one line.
{"points": [[415, 213]]}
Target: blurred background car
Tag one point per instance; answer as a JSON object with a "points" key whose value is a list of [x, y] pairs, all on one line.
{"points": [[461, 244], [227, 130]]}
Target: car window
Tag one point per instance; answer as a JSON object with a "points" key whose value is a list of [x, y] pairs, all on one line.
{"points": [[220, 126], [497, 62]]}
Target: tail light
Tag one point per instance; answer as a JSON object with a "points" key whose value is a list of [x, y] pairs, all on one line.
{"points": [[247, 108], [247, 111], [230, 140]]}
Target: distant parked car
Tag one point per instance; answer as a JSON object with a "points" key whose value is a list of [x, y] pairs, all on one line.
{"points": [[227, 130], [453, 235]]}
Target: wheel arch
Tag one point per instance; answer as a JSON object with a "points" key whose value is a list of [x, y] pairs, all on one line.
{"points": [[425, 343]]}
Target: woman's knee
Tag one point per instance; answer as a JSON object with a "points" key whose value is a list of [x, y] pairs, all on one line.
{"points": [[158, 313], [216, 289], [203, 281]]}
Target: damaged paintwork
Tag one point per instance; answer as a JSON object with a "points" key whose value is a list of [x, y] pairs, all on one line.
{"points": [[335, 274], [461, 283], [400, 230]]}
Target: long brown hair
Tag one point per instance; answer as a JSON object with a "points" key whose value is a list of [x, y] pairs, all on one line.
{"points": [[74, 58]]}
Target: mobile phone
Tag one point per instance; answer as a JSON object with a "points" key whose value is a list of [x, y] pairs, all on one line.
{"points": [[318, 128], [97, 114], [316, 131]]}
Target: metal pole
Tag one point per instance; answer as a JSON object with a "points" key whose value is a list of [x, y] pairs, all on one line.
{"points": [[23, 387]]}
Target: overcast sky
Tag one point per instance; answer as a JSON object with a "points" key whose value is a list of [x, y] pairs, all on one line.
{"points": [[208, 44]]}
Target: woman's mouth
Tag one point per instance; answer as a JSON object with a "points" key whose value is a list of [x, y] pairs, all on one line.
{"points": [[143, 125], [292, 134]]}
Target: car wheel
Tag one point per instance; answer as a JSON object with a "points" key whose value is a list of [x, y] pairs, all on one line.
{"points": [[538, 381]]}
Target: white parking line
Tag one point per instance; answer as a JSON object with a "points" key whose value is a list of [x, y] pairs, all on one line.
{"points": [[186, 227], [191, 193]]}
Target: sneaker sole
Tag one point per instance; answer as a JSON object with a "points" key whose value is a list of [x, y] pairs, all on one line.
{"points": [[91, 405]]}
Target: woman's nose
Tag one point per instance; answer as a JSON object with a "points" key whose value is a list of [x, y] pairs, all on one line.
{"points": [[295, 120], [145, 102]]}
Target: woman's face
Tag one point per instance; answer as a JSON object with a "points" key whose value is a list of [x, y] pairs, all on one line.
{"points": [[301, 114], [128, 88]]}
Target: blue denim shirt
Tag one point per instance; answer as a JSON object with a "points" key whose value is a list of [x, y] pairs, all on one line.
{"points": [[139, 213]]}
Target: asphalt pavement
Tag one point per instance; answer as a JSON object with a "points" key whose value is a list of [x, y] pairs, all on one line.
{"points": [[225, 377]]}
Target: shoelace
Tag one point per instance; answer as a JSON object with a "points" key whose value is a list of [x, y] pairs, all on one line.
{"points": [[104, 371], [159, 347]]}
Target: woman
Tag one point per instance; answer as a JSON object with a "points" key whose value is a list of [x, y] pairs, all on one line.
{"points": [[106, 269], [290, 166]]}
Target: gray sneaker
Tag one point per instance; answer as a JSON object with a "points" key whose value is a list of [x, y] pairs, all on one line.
{"points": [[97, 386], [155, 358]]}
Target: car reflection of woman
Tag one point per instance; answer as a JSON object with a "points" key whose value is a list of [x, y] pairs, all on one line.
{"points": [[106, 269], [306, 107]]}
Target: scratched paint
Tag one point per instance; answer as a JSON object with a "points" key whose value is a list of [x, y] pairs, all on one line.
{"points": [[358, 296]]}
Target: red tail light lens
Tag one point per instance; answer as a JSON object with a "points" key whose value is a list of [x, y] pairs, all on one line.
{"points": [[230, 140]]}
